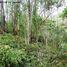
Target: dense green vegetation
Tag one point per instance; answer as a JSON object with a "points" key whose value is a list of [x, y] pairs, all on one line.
{"points": [[44, 45], [15, 53]]}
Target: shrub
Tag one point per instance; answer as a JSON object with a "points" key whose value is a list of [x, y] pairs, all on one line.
{"points": [[12, 57]]}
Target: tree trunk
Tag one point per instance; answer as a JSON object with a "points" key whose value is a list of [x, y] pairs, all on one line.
{"points": [[15, 18], [15, 30], [35, 8], [2, 17], [29, 23], [35, 18]]}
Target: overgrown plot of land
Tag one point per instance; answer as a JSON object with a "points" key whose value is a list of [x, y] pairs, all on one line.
{"points": [[33, 33]]}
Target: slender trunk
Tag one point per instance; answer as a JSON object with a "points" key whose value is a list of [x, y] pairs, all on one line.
{"points": [[3, 18], [29, 24], [15, 31], [35, 15], [2, 21], [15, 18], [35, 8]]}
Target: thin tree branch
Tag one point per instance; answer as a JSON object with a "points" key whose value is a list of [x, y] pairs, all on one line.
{"points": [[10, 2]]}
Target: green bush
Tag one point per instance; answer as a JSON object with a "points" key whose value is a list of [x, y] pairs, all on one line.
{"points": [[12, 41], [12, 57]]}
